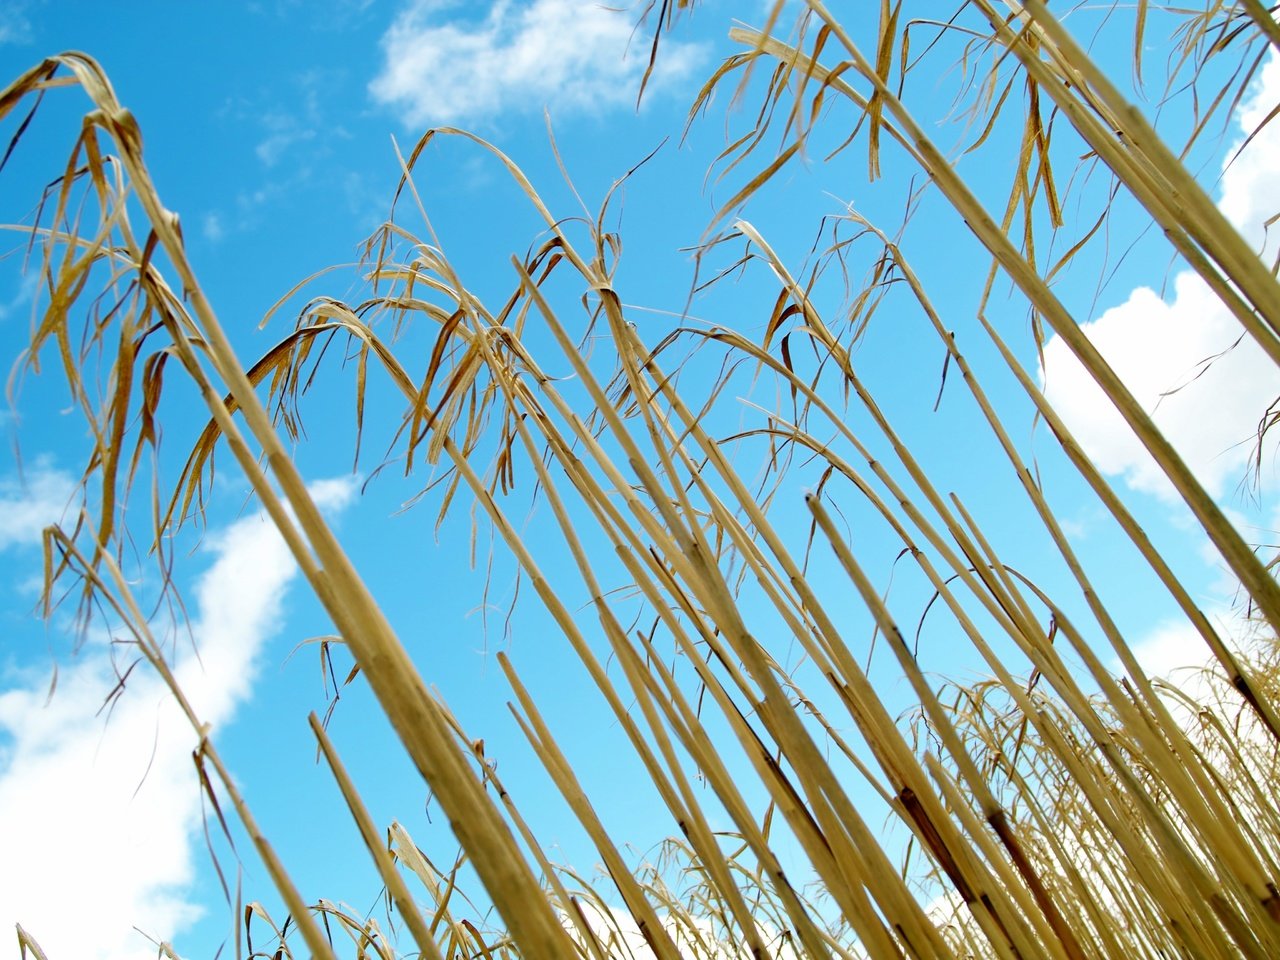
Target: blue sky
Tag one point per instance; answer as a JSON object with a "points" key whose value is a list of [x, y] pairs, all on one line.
{"points": [[269, 127]]}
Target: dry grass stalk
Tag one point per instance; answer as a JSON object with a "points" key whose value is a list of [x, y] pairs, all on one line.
{"points": [[1069, 816]]}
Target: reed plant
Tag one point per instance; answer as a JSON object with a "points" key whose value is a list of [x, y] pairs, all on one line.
{"points": [[1053, 810]]}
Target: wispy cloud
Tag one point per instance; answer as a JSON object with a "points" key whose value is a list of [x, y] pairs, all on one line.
{"points": [[99, 816], [293, 127], [31, 503], [1177, 357], [445, 64], [283, 132], [15, 26], [27, 287], [212, 227]]}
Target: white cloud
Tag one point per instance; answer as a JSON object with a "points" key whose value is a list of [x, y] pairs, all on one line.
{"points": [[30, 504], [1174, 652], [1251, 181], [1177, 356], [1174, 647], [99, 817], [569, 55]]}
